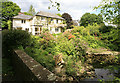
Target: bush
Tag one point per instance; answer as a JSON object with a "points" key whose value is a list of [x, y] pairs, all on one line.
{"points": [[112, 39], [90, 35], [12, 39], [42, 49]]}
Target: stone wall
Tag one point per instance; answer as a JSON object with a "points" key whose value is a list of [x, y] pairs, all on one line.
{"points": [[27, 69], [108, 58]]}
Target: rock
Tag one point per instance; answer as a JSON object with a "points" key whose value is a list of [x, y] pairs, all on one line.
{"points": [[63, 78], [89, 73], [70, 78], [57, 70], [78, 74], [82, 70]]}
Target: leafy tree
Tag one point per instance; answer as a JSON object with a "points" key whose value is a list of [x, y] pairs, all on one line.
{"points": [[31, 10], [68, 20], [110, 10], [9, 9], [88, 18]]}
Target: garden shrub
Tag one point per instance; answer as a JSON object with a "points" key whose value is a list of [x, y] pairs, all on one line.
{"points": [[70, 68], [12, 39], [89, 34], [112, 39], [43, 50], [46, 60]]}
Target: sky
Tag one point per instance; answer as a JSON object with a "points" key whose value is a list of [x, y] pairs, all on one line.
{"points": [[76, 8]]}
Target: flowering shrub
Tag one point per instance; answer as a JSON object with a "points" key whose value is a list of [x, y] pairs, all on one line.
{"points": [[89, 34], [47, 36], [71, 36]]}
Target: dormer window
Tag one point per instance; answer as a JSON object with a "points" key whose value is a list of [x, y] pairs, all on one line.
{"points": [[23, 21]]}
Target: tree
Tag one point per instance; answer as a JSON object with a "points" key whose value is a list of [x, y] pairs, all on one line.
{"points": [[31, 10], [68, 20], [88, 18], [9, 9], [110, 9]]}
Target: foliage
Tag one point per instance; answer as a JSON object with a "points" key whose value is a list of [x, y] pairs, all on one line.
{"points": [[105, 29], [31, 10], [68, 20], [45, 30], [59, 14], [42, 49], [12, 39], [72, 44], [26, 13], [112, 39], [7, 68], [54, 4], [9, 24], [90, 35], [70, 70], [88, 18], [46, 46], [9, 9], [110, 10]]}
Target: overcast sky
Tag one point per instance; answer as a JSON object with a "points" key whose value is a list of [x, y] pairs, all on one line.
{"points": [[76, 8]]}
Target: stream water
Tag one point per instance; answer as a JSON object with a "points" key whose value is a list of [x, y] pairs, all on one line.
{"points": [[104, 74]]}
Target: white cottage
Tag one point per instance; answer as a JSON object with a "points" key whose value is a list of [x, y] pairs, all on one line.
{"points": [[35, 24]]}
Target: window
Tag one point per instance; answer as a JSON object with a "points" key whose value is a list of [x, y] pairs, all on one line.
{"points": [[40, 28], [23, 21], [36, 29], [19, 28], [27, 29], [42, 18], [56, 21], [56, 29]]}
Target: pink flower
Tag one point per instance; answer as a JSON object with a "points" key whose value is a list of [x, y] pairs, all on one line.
{"points": [[76, 46]]}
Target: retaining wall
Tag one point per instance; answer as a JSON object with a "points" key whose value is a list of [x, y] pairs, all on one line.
{"points": [[27, 69]]}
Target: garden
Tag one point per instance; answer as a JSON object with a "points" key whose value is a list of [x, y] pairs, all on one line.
{"points": [[70, 55]]}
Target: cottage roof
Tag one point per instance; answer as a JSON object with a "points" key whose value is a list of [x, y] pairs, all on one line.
{"points": [[46, 14], [23, 16]]}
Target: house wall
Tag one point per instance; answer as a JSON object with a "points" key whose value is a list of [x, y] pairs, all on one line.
{"points": [[18, 23], [37, 20]]}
